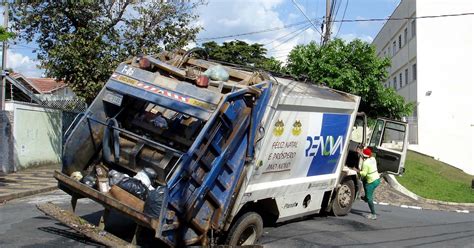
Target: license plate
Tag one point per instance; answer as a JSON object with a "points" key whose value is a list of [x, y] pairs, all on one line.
{"points": [[113, 98]]}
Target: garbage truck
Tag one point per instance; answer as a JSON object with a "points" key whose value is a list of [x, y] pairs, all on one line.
{"points": [[201, 153]]}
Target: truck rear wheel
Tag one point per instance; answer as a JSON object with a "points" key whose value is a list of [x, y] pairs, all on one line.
{"points": [[342, 203], [246, 230]]}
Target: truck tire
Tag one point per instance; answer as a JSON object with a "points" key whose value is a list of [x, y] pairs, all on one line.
{"points": [[342, 203], [247, 230]]}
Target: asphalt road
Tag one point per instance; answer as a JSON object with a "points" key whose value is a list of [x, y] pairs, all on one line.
{"points": [[22, 225]]}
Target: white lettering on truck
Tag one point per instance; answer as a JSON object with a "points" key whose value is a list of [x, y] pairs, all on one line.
{"points": [[325, 145]]}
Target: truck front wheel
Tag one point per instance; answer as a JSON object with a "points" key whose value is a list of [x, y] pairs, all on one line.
{"points": [[342, 203], [246, 230]]}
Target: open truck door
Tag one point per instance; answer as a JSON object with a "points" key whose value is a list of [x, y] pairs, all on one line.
{"points": [[389, 142], [357, 140]]}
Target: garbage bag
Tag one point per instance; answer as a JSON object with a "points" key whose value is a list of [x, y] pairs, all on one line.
{"points": [[154, 202], [143, 177], [134, 187], [89, 180], [115, 177], [160, 122], [217, 73], [151, 173]]}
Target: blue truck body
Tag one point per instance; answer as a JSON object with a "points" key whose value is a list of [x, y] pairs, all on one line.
{"points": [[205, 177]]}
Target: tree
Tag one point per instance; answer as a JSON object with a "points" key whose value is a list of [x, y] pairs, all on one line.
{"points": [[82, 42], [350, 67], [242, 53], [5, 35]]}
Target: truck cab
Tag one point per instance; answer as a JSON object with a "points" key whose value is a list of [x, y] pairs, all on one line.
{"points": [[388, 141]]}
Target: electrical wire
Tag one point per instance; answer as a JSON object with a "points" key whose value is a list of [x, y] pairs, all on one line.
{"points": [[404, 18], [343, 15], [341, 20], [286, 35], [304, 14], [294, 36], [255, 32], [20, 45]]}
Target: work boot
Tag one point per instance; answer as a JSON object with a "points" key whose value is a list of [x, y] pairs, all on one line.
{"points": [[371, 216]]}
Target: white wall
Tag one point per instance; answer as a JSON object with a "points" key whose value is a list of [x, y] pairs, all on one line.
{"points": [[443, 50], [37, 134], [445, 57], [404, 57]]}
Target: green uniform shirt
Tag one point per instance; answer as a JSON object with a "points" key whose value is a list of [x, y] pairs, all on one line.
{"points": [[369, 171]]}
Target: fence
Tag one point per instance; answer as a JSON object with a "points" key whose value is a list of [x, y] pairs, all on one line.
{"points": [[70, 109]]}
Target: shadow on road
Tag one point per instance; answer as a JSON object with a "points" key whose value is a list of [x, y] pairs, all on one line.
{"points": [[70, 235]]}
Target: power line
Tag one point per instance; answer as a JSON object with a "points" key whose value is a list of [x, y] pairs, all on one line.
{"points": [[255, 32], [286, 35], [404, 18], [20, 45], [343, 15], [341, 20], [304, 14], [294, 36], [281, 50]]}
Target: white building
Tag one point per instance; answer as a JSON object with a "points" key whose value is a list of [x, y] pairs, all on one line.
{"points": [[433, 67]]}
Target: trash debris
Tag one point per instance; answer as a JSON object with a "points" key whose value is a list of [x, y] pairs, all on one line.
{"points": [[102, 179], [76, 175], [103, 185], [115, 177], [134, 186], [160, 122], [89, 180], [154, 202], [217, 73], [146, 176], [202, 81], [151, 173]]}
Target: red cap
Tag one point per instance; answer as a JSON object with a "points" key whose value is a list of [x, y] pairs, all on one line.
{"points": [[367, 152]]}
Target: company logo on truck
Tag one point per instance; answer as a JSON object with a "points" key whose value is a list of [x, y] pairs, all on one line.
{"points": [[278, 128], [325, 145], [326, 148], [296, 128]]}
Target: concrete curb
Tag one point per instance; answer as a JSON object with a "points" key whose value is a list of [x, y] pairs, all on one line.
{"points": [[392, 181], [17, 195]]}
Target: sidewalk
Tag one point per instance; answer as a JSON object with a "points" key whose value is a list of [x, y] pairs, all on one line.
{"points": [[27, 182]]}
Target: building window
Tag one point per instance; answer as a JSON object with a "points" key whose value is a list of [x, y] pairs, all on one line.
{"points": [[413, 28], [400, 42], [395, 82], [394, 47], [405, 36], [401, 81], [413, 71], [406, 76], [389, 51]]}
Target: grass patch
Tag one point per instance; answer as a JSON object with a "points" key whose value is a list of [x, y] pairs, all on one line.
{"points": [[436, 180]]}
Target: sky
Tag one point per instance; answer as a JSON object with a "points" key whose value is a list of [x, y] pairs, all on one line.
{"points": [[229, 17]]}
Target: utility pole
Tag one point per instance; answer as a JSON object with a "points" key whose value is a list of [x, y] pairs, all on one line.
{"points": [[4, 58], [327, 33]]}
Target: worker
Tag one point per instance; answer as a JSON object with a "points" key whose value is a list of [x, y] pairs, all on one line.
{"points": [[370, 178]]}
